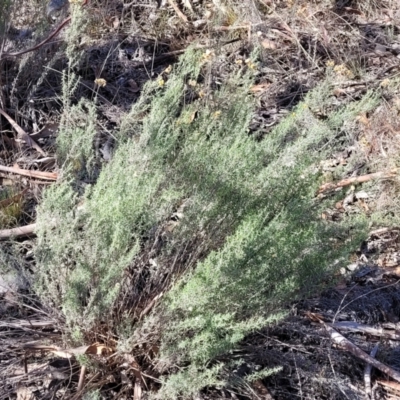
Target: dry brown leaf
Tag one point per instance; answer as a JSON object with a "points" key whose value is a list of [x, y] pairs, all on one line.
{"points": [[261, 390], [133, 86], [363, 119], [260, 87], [24, 393], [61, 353], [363, 204], [268, 44], [50, 129], [98, 349], [391, 385], [6, 202], [395, 271]]}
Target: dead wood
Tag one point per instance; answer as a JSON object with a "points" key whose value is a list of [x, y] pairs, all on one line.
{"points": [[94, 349], [21, 231], [180, 14], [382, 231], [28, 324], [22, 134], [345, 344], [81, 378], [357, 179], [51, 176], [351, 326]]}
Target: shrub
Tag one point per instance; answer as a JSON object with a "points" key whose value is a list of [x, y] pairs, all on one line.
{"points": [[250, 209]]}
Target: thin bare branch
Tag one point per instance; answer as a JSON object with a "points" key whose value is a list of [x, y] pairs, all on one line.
{"points": [[50, 176], [357, 179], [180, 14], [22, 134], [345, 344], [81, 378], [21, 231]]}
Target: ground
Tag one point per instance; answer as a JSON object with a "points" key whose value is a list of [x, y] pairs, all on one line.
{"points": [[75, 105]]}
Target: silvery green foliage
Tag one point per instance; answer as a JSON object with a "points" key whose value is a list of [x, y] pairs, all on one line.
{"points": [[250, 238]]}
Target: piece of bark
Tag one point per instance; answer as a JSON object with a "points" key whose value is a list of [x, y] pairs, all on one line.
{"points": [[357, 179], [21, 231], [51, 176]]}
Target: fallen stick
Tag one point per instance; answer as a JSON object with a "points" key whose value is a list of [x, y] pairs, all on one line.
{"points": [[17, 232], [357, 179], [350, 326], [51, 176], [345, 344], [180, 14], [382, 231], [22, 134], [27, 324], [81, 378]]}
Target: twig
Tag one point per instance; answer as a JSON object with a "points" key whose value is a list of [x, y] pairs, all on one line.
{"points": [[350, 326], [345, 344], [22, 134], [50, 176], [81, 378], [367, 372], [357, 179], [28, 324], [17, 232], [383, 230], [180, 14]]}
